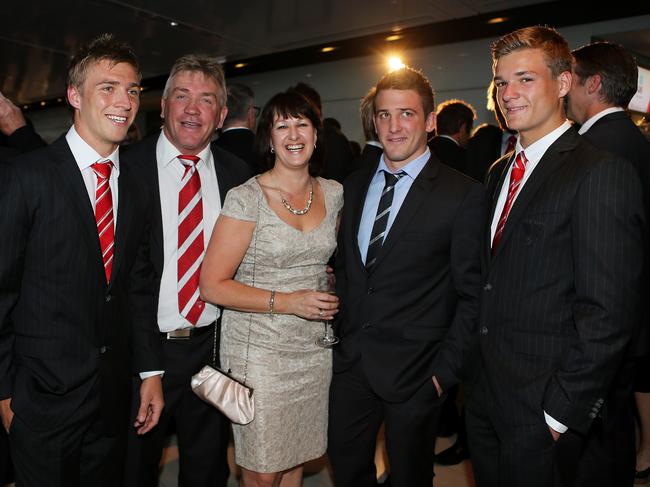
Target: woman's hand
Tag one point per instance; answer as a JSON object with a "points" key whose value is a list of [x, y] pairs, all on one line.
{"points": [[310, 305]]}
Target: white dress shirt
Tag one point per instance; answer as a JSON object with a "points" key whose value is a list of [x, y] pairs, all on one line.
{"points": [[587, 125], [170, 173], [85, 156], [534, 153]]}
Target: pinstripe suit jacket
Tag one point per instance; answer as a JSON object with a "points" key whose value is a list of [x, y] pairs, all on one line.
{"points": [[65, 333], [560, 294]]}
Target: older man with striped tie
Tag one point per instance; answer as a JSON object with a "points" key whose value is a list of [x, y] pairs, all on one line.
{"points": [[77, 294], [191, 178]]}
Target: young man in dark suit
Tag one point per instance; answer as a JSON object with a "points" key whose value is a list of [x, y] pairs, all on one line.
{"points": [[188, 177], [604, 81], [407, 275], [78, 294], [561, 256]]}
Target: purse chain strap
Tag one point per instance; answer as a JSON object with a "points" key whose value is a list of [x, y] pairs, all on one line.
{"points": [[250, 315]]}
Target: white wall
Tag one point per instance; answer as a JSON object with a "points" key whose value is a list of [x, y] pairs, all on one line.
{"points": [[460, 70]]}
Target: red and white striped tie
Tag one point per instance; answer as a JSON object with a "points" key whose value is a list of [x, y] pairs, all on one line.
{"points": [[190, 241], [516, 175], [104, 214]]}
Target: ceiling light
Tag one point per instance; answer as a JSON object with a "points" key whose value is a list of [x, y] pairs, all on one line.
{"points": [[497, 20], [173, 23], [328, 49], [240, 65], [395, 62], [394, 37], [43, 103]]}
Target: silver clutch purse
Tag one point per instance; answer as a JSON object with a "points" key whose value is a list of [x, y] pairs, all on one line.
{"points": [[231, 397]]}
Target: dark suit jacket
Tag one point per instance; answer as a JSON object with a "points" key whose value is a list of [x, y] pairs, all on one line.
{"points": [[230, 172], [617, 134], [560, 294], [240, 143], [65, 333], [338, 155], [450, 153], [483, 150], [411, 315]]}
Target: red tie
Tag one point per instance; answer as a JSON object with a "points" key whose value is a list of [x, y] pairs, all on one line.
{"points": [[104, 214], [190, 241], [512, 141], [516, 175]]}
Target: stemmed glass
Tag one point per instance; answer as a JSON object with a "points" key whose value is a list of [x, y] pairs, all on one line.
{"points": [[326, 285]]}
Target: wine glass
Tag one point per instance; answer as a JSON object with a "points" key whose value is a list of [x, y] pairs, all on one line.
{"points": [[326, 285]]}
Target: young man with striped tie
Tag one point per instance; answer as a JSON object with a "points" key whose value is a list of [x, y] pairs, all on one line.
{"points": [[77, 294]]}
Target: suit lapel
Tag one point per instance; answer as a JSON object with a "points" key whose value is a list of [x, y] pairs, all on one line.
{"points": [[554, 158], [75, 192], [417, 195], [124, 215], [356, 204], [496, 180]]}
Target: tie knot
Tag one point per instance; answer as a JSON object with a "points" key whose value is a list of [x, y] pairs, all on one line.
{"points": [[188, 161], [391, 179], [103, 169], [520, 161]]}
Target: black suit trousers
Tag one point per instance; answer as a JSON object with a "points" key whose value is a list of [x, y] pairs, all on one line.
{"points": [[77, 453], [201, 430], [510, 455], [356, 414]]}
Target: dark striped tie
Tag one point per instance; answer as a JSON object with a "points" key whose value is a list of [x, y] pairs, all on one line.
{"points": [[383, 212]]}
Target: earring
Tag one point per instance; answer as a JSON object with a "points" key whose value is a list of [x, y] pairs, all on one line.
{"points": [[272, 150]]}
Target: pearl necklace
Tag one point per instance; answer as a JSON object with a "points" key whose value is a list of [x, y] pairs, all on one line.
{"points": [[306, 209]]}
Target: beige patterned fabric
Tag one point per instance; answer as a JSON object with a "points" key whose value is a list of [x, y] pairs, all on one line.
{"points": [[289, 373]]}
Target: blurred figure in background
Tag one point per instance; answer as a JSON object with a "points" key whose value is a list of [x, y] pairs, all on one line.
{"points": [[454, 122]]}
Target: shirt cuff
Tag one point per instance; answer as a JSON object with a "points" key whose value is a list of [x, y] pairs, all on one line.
{"points": [[153, 373], [553, 423]]}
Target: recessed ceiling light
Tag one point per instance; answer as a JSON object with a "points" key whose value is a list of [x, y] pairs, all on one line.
{"points": [[43, 103], [497, 20], [395, 62], [25, 107], [394, 37], [240, 65], [173, 23], [328, 49]]}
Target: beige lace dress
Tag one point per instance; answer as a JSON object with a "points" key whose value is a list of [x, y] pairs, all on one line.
{"points": [[289, 373]]}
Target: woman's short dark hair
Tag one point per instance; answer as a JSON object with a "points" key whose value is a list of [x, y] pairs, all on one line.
{"points": [[288, 104]]}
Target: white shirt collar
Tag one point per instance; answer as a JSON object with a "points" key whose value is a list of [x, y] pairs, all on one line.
{"points": [[86, 156], [241, 127], [375, 143], [588, 124], [450, 138], [536, 150], [170, 153]]}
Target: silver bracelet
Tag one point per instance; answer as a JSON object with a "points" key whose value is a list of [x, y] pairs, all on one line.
{"points": [[271, 302]]}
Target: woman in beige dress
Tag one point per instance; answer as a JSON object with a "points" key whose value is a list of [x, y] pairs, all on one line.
{"points": [[265, 263]]}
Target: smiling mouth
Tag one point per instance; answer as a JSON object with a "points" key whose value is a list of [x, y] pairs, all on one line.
{"points": [[295, 147], [117, 119], [191, 125], [510, 110]]}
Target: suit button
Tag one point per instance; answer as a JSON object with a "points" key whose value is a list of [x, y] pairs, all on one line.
{"points": [[487, 287], [484, 330], [366, 325], [108, 298], [371, 290], [102, 349]]}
